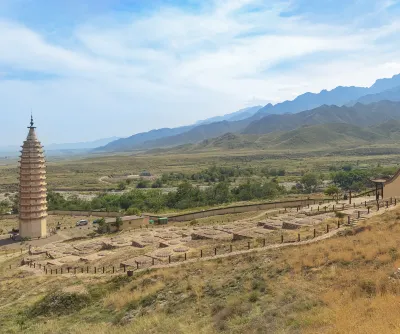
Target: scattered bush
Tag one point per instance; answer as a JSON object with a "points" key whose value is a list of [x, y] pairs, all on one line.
{"points": [[59, 304]]}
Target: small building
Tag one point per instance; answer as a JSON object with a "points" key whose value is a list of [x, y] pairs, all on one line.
{"points": [[386, 188], [128, 222]]}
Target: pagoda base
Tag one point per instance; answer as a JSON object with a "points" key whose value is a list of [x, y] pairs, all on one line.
{"points": [[35, 228]]}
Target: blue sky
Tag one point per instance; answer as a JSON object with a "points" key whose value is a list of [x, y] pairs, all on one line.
{"points": [[95, 69]]}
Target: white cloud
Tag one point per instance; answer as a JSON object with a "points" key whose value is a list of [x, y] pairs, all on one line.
{"points": [[173, 67]]}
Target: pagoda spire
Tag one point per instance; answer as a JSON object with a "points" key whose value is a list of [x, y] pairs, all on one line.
{"points": [[31, 124]]}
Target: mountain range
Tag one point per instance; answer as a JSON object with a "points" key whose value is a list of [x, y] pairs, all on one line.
{"points": [[308, 137], [339, 105]]}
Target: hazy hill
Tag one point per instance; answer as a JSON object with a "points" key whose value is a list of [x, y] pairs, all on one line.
{"points": [[381, 85], [235, 116], [338, 96], [81, 145], [137, 140], [198, 133], [392, 94], [360, 115]]}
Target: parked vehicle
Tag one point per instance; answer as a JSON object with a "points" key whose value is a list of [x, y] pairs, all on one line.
{"points": [[82, 222]]}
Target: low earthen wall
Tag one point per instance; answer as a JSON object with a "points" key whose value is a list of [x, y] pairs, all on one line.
{"points": [[245, 208], [84, 213]]}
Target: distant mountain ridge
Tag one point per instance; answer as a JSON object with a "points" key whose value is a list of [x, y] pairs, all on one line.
{"points": [[359, 114], [139, 139], [235, 116], [382, 89], [307, 137], [392, 94]]}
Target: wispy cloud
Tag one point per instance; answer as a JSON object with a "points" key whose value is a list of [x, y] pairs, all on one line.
{"points": [[117, 72]]}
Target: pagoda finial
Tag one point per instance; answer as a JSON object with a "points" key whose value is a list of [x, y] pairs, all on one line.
{"points": [[31, 127]]}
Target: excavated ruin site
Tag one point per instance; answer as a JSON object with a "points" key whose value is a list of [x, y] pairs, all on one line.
{"points": [[149, 246]]}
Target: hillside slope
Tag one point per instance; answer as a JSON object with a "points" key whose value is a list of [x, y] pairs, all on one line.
{"points": [[235, 116], [199, 133], [389, 95], [360, 115], [347, 284], [137, 140]]}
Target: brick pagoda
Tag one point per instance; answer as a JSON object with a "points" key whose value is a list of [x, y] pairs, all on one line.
{"points": [[32, 188]]}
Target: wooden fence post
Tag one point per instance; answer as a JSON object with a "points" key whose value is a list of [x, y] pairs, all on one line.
{"points": [[169, 258], [348, 219], [298, 237], [230, 248], [338, 224], [281, 238], [113, 270], [264, 242], [185, 256], [201, 253], [327, 228], [314, 233]]}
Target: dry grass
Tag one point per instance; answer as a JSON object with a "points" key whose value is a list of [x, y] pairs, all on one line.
{"points": [[342, 285]]}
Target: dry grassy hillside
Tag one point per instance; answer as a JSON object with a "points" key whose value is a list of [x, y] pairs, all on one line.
{"points": [[343, 285]]}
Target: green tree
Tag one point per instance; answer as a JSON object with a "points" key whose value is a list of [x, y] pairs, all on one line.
{"points": [[333, 191], [142, 184], [118, 223], [133, 211], [309, 182], [157, 184], [101, 226]]}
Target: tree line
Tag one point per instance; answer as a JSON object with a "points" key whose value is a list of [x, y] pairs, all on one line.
{"points": [[185, 197]]}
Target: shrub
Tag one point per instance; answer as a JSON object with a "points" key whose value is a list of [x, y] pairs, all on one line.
{"points": [[59, 304]]}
